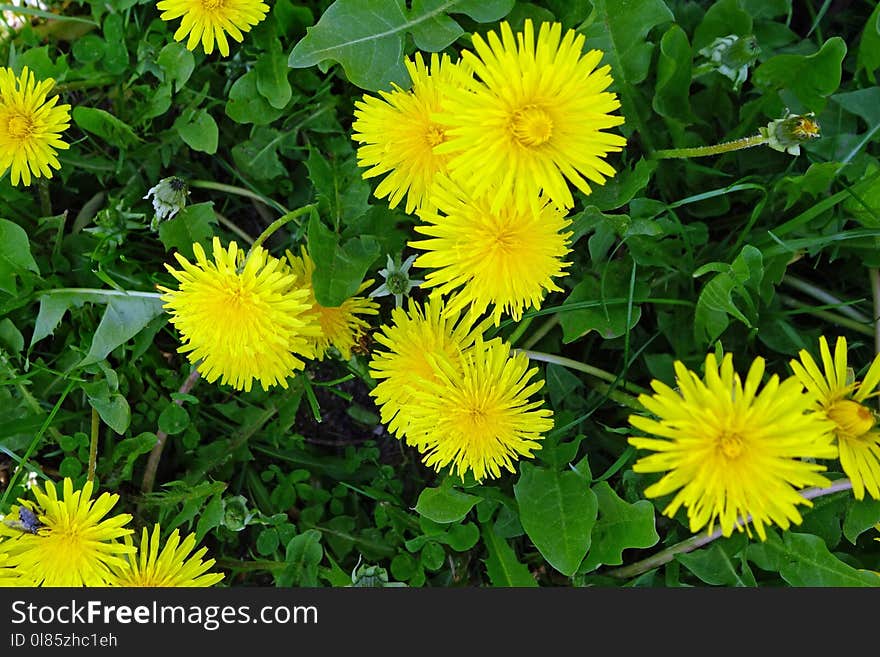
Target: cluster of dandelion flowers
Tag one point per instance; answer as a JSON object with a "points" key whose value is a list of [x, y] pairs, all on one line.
{"points": [[77, 542], [207, 21], [506, 258], [478, 415], [175, 565], [30, 126], [533, 118], [729, 451], [407, 353], [341, 326], [398, 132], [843, 402], [241, 318]]}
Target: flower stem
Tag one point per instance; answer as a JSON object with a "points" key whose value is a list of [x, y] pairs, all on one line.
{"points": [[278, 223], [93, 444], [717, 149], [541, 331], [874, 274], [834, 318], [239, 191], [825, 297], [582, 367], [45, 199], [699, 540]]}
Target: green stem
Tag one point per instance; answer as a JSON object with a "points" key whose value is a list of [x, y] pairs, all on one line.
{"points": [[519, 330], [874, 274], [834, 318], [239, 191], [45, 199], [278, 223], [698, 541], [235, 229], [91, 83], [717, 149], [93, 444], [825, 297], [582, 367], [543, 330]]}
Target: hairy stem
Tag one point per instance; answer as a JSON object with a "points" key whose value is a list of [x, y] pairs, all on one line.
{"points": [[278, 223], [717, 149]]}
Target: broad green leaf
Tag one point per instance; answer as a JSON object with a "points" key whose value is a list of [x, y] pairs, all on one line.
{"points": [[11, 338], [194, 224], [445, 504], [303, 554], [246, 105], [743, 277], [619, 28], [814, 182], [607, 293], [367, 38], [105, 125], [620, 526], [38, 61], [558, 511], [257, 157], [271, 70], [173, 419], [124, 318], [721, 19], [89, 49], [809, 563], [177, 63], [808, 78], [502, 565], [339, 268], [622, 188], [210, 517], [869, 46], [15, 255], [717, 563], [672, 92], [200, 133], [113, 410], [53, 305], [861, 515], [339, 185]]}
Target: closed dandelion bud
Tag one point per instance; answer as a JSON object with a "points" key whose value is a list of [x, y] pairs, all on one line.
{"points": [[788, 133], [168, 198]]}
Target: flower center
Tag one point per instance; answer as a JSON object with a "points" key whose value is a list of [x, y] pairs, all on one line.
{"points": [[731, 445], [851, 418], [210, 5], [531, 125], [19, 126], [435, 135]]}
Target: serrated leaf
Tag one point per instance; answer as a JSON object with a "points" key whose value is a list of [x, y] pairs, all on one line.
{"points": [[54, 304], [445, 504], [620, 526], [502, 565], [124, 318], [558, 511], [339, 268], [105, 125], [194, 224], [366, 39], [809, 563], [15, 255], [607, 295], [200, 133]]}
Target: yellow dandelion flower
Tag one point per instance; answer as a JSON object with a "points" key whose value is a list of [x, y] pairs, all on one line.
{"points": [[535, 120], [506, 258], [11, 577], [415, 341], [211, 20], [842, 401], [243, 318], [175, 565], [478, 416], [398, 131], [729, 450], [30, 126], [76, 542], [341, 326]]}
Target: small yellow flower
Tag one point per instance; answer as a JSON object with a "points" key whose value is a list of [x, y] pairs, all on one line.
{"points": [[30, 126], [729, 451], [243, 318], [506, 258], [535, 118], [843, 402], [398, 132], [211, 20], [341, 326], [175, 565], [77, 542]]}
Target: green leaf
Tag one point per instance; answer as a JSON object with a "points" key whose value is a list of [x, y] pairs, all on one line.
{"points": [[607, 319], [672, 92], [130, 449], [177, 63], [339, 185], [11, 338], [210, 517], [502, 565], [721, 19], [38, 61], [104, 125], [113, 410], [808, 78], [868, 58], [304, 553], [258, 156], [271, 70], [619, 28], [620, 526], [15, 255], [445, 504], [124, 318], [558, 511], [623, 187], [194, 224], [809, 563], [339, 269], [173, 419], [367, 38], [53, 305], [861, 515], [89, 49], [200, 133], [246, 105], [716, 564]]}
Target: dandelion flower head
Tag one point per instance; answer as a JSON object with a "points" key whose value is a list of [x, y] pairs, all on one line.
{"points": [[843, 401], [244, 318], [30, 126], [534, 117], [209, 21], [727, 450]]}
